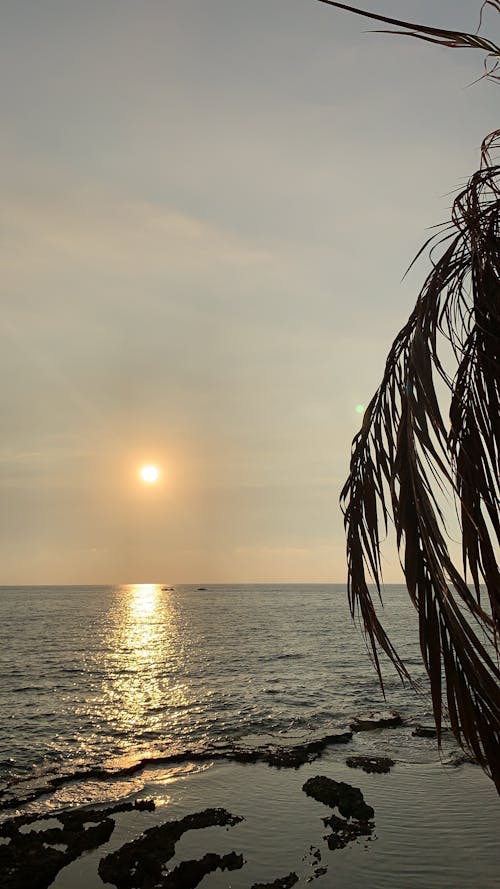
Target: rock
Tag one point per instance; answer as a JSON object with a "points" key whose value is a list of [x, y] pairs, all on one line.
{"points": [[377, 719], [344, 832], [349, 800], [280, 757], [281, 883], [459, 759], [188, 874], [380, 764], [350, 803], [289, 757], [141, 861], [29, 859], [25, 861], [75, 819], [424, 731]]}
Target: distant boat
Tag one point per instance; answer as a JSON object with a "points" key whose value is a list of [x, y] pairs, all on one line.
{"points": [[202, 589], [168, 589]]}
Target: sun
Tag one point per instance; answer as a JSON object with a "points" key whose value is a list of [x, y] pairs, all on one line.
{"points": [[149, 474]]}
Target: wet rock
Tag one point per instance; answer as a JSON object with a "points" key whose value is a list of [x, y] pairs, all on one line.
{"points": [[380, 764], [76, 838], [377, 719], [188, 874], [424, 731], [348, 799], [344, 832], [281, 883], [287, 757], [25, 861], [140, 862], [315, 858], [74, 819], [459, 759], [279, 757], [29, 859]]}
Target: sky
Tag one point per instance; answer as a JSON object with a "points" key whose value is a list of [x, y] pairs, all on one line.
{"points": [[207, 212]]}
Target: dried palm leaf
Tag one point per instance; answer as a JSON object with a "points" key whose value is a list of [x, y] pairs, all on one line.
{"points": [[405, 454], [453, 39], [404, 447]]}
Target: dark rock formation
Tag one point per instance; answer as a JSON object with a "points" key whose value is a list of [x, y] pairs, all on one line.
{"points": [[281, 883], [350, 803], [188, 874], [424, 731], [30, 859], [318, 870], [344, 832], [380, 764], [74, 819], [378, 719], [141, 862], [349, 800], [291, 757], [279, 757]]}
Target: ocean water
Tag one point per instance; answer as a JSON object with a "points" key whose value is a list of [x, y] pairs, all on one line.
{"points": [[107, 676], [91, 676]]}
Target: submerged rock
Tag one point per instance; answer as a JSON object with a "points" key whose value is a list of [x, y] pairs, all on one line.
{"points": [[348, 799], [281, 883], [140, 862], [377, 719], [380, 764]]}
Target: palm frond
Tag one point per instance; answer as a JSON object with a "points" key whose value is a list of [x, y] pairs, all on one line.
{"points": [[442, 36], [405, 446]]}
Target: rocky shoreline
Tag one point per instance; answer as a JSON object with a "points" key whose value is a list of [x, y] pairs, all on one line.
{"points": [[277, 756], [34, 848], [34, 857]]}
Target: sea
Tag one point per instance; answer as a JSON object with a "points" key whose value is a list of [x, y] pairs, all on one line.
{"points": [[102, 677], [93, 674]]}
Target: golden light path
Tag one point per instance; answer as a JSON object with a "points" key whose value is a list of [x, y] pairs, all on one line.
{"points": [[147, 656]]}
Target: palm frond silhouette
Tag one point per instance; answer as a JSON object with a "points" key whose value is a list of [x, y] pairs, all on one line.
{"points": [[408, 452]]}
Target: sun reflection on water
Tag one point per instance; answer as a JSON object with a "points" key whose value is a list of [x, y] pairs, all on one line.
{"points": [[147, 653], [144, 599]]}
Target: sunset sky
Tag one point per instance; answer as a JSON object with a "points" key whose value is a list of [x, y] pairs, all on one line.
{"points": [[207, 210]]}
